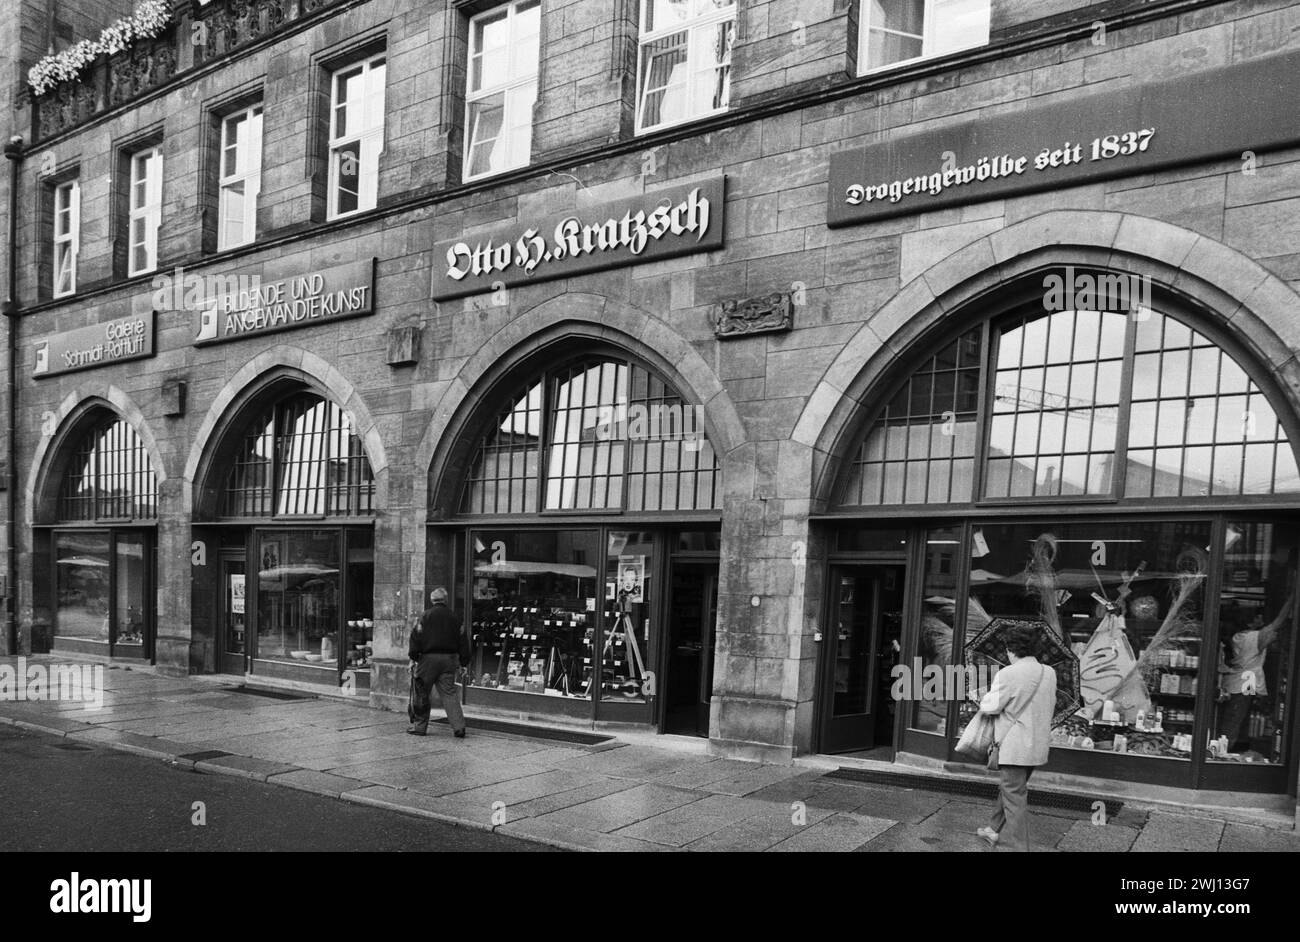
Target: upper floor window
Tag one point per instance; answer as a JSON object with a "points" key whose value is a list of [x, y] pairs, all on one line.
{"points": [[356, 136], [899, 31], [145, 215], [1074, 404], [241, 177], [501, 88], [67, 236], [684, 69], [110, 477]]}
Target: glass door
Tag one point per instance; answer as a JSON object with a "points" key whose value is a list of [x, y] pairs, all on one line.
{"points": [[692, 636], [234, 615], [859, 649], [131, 596]]}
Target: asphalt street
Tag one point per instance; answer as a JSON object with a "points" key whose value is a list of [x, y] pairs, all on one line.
{"points": [[60, 795]]}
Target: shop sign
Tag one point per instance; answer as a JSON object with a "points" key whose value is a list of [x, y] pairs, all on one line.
{"points": [[1236, 112], [662, 224], [301, 300], [115, 341]]}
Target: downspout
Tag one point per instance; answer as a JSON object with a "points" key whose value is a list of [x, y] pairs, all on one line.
{"points": [[13, 154]]}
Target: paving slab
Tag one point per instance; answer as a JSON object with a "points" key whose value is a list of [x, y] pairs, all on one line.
{"points": [[518, 791], [838, 832], [911, 839], [244, 767], [544, 805], [318, 783], [428, 806], [1175, 832], [1243, 837], [1084, 836], [620, 809], [905, 805], [688, 823], [759, 832], [752, 779], [571, 838]]}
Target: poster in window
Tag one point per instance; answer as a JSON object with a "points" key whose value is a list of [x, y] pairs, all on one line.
{"points": [[237, 593], [630, 585]]}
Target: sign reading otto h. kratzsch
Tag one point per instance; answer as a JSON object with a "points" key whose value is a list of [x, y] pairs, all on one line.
{"points": [[660, 224], [300, 300], [115, 341]]}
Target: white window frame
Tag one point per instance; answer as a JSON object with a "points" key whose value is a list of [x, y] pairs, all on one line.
{"points": [[66, 235], [365, 128], [148, 209], [927, 40], [250, 175], [503, 88], [697, 29]]}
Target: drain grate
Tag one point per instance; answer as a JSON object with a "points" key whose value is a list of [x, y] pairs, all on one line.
{"points": [[534, 732], [270, 694], [1066, 801], [205, 755]]}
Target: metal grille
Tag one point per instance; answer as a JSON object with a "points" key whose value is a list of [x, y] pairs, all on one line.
{"points": [[614, 436], [300, 458], [110, 477]]}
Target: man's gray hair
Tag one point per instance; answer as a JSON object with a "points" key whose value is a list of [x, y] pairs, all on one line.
{"points": [[438, 595]]}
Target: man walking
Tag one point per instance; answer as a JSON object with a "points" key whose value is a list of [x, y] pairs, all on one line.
{"points": [[439, 646]]}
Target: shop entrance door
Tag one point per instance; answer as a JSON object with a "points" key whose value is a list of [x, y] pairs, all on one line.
{"points": [[234, 614], [692, 636], [860, 647]]}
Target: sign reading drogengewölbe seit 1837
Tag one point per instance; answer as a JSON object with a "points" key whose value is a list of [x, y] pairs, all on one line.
{"points": [[661, 224], [1224, 112], [115, 341], [302, 300]]}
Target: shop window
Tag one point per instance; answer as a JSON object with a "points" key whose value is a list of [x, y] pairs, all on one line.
{"points": [[501, 88], [66, 237], [684, 68], [240, 177], [144, 216], [1051, 393], [109, 477], [300, 457], [601, 434], [356, 136], [895, 32]]}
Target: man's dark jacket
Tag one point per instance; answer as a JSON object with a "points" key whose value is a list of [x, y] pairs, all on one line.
{"points": [[439, 633]]}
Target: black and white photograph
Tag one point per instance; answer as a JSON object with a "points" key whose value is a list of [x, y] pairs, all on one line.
{"points": [[637, 426]]}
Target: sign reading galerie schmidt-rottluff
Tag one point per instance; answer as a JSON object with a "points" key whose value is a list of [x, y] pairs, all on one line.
{"points": [[659, 224], [115, 341], [1238, 111], [264, 306]]}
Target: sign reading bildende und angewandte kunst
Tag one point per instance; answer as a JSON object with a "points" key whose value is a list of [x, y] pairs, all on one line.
{"points": [[660, 224], [305, 299], [115, 341], [1236, 112]]}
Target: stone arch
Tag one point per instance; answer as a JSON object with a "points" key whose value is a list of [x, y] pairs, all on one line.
{"points": [[1259, 308], [71, 417], [265, 371], [563, 320]]}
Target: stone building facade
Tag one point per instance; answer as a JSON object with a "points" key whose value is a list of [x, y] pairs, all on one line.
{"points": [[790, 335]]}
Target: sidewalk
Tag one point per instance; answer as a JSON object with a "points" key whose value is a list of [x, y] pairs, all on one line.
{"points": [[616, 796]]}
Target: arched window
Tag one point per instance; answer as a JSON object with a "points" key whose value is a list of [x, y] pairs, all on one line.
{"points": [[598, 434], [1073, 404], [109, 477], [300, 457]]}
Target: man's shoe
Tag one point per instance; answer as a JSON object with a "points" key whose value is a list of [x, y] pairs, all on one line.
{"points": [[416, 732], [459, 734], [988, 835]]}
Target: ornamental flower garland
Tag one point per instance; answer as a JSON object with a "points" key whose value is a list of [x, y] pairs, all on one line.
{"points": [[149, 19]]}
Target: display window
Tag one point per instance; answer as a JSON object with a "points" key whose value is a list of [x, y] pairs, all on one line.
{"points": [[102, 546], [1161, 559], [598, 463]]}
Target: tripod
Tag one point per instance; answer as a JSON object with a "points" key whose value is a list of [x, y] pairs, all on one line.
{"points": [[625, 631]]}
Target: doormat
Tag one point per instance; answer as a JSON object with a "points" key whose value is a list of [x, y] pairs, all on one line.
{"points": [[270, 694], [1066, 801], [534, 732], [205, 755]]}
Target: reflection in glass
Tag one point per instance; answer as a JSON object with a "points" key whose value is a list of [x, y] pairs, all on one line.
{"points": [[82, 572], [298, 599], [1257, 636], [935, 648]]}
